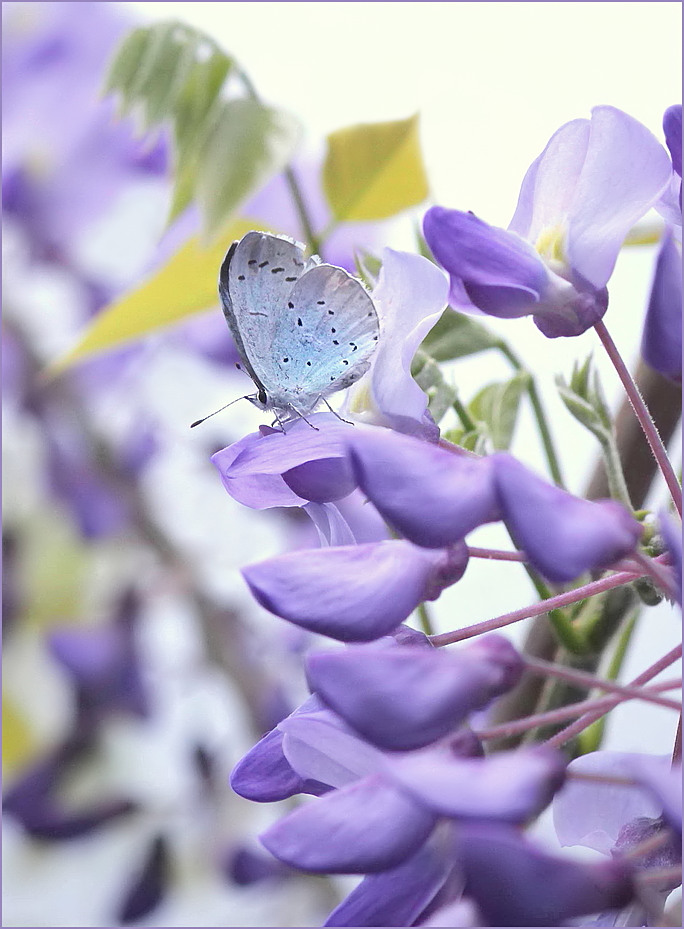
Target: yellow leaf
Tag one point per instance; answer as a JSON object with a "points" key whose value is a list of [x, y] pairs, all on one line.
{"points": [[18, 742], [374, 171], [186, 284]]}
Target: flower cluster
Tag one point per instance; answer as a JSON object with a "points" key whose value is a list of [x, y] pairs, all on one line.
{"points": [[401, 788]]}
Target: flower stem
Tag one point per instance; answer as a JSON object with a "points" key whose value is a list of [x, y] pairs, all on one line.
{"points": [[565, 735], [536, 609], [495, 554], [575, 676], [551, 717], [642, 414], [539, 414]]}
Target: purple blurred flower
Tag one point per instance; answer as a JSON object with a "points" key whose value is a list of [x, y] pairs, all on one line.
{"points": [[147, 888], [405, 697], [562, 535], [245, 866], [578, 201], [54, 56], [670, 204], [614, 818], [104, 666], [513, 883], [433, 497], [34, 799], [354, 592], [661, 342]]}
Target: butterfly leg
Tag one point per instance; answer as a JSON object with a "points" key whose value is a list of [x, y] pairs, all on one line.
{"points": [[341, 418]]}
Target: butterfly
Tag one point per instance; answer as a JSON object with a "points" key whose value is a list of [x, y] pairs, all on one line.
{"points": [[304, 329]]}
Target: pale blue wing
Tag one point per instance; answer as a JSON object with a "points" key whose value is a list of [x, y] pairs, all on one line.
{"points": [[256, 277], [325, 337]]}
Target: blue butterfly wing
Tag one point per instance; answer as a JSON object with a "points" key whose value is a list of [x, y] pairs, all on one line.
{"points": [[256, 277], [303, 329], [326, 337]]}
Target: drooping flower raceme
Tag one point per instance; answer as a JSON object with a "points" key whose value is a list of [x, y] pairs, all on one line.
{"points": [[578, 201]]}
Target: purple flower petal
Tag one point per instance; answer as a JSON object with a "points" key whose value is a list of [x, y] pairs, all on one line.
{"points": [[332, 527], [265, 775], [625, 171], [461, 913], [508, 787], [663, 781], [500, 272], [354, 592], [398, 896], [255, 488], [149, 886], [671, 530], [515, 884], [321, 481], [402, 698], [319, 746], [661, 343], [391, 469], [562, 535], [367, 826], [672, 127], [548, 187], [410, 295], [591, 813]]}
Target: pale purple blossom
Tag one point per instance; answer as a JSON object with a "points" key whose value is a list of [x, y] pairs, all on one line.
{"points": [[661, 342], [578, 201]]}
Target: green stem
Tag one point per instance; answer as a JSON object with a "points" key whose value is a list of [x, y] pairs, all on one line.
{"points": [[425, 619], [615, 472], [463, 415], [539, 414], [590, 740]]}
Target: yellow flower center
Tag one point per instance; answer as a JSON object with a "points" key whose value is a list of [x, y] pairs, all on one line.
{"points": [[550, 244]]}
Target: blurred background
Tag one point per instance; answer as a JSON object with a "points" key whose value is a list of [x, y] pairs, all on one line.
{"points": [[136, 668]]}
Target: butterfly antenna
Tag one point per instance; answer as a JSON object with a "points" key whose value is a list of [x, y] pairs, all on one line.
{"points": [[220, 409]]}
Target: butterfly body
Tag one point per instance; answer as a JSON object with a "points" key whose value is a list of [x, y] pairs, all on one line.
{"points": [[304, 329]]}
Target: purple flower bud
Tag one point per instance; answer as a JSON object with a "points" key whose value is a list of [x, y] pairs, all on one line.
{"points": [[366, 826], [244, 867], [33, 799], [506, 787], [433, 497], [661, 342], [149, 885], [672, 535], [264, 774], [501, 273], [672, 127], [353, 592], [402, 698], [398, 896], [515, 884], [562, 535], [272, 468]]}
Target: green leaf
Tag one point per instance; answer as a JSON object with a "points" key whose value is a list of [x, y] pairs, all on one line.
{"points": [[456, 335], [497, 405], [474, 440], [224, 149], [246, 145], [185, 285], [441, 394], [583, 408], [374, 171]]}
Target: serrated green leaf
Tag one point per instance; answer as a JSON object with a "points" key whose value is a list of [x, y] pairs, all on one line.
{"points": [[474, 440], [246, 145], [497, 405], [456, 335], [185, 285], [374, 171], [579, 379]]}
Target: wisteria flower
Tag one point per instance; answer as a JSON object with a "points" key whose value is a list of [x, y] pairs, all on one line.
{"points": [[661, 342], [578, 201]]}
